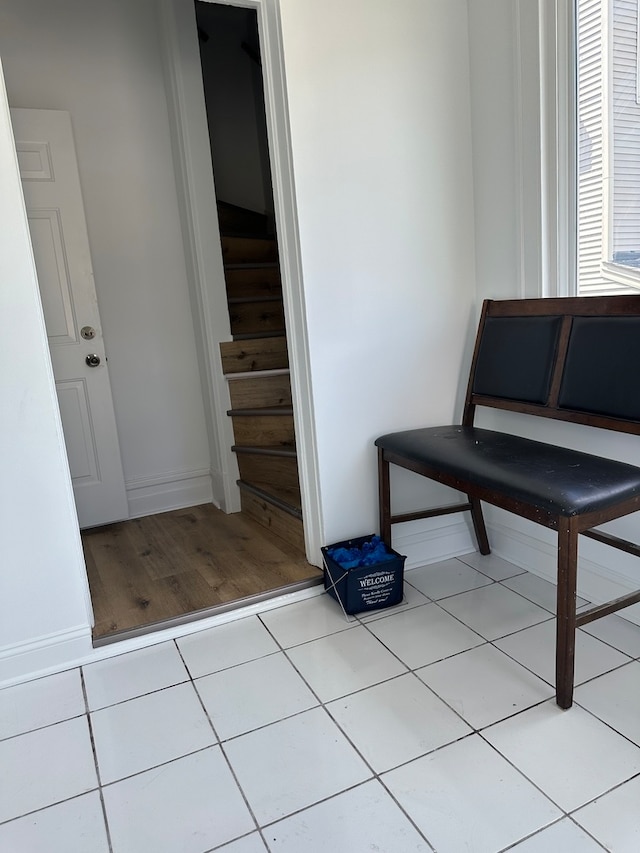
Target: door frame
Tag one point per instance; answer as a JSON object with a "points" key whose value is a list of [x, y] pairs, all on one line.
{"points": [[195, 184]]}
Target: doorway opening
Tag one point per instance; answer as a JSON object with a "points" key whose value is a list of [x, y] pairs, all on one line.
{"points": [[196, 560], [255, 362]]}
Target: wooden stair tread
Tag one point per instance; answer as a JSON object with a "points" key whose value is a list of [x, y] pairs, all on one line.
{"points": [[254, 354], [262, 414], [287, 500], [248, 300], [251, 265], [273, 450], [251, 336], [269, 411]]}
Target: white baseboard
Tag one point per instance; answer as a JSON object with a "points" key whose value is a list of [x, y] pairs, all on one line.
{"points": [[424, 542], [173, 490], [597, 583], [54, 653], [49, 653]]}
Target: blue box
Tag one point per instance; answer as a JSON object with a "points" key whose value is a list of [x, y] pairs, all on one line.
{"points": [[364, 588]]}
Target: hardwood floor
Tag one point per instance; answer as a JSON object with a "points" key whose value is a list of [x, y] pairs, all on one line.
{"points": [[163, 566]]}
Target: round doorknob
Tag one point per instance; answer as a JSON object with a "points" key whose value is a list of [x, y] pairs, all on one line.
{"points": [[93, 360]]}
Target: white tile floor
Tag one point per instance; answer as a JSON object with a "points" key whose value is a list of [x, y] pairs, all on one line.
{"points": [[430, 726]]}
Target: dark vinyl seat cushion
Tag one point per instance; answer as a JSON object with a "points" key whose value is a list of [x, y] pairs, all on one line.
{"points": [[554, 479]]}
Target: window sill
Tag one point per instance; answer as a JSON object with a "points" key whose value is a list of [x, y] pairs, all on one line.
{"points": [[625, 276]]}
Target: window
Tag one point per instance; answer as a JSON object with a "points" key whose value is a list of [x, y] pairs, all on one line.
{"points": [[608, 155]]}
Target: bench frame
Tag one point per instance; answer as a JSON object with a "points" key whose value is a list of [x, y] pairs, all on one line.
{"points": [[568, 527]]}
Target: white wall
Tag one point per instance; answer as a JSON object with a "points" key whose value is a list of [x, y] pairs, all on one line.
{"points": [[492, 58], [101, 62], [43, 592], [378, 94]]}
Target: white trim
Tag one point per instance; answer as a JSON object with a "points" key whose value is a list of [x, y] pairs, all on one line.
{"points": [[198, 214], [559, 150], [165, 492], [545, 146], [520, 138], [425, 542], [48, 653], [281, 158], [188, 120], [607, 133], [624, 276]]}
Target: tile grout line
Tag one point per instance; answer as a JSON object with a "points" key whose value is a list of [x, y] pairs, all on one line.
{"points": [[95, 760], [323, 705], [544, 828], [219, 743], [374, 777]]}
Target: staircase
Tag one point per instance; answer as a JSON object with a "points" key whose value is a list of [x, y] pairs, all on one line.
{"points": [[256, 365]]}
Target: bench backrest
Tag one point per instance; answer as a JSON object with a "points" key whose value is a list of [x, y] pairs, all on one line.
{"points": [[574, 359]]}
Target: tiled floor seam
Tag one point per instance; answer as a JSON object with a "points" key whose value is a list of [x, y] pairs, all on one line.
{"points": [[604, 793], [374, 778], [95, 760], [139, 696], [524, 776], [41, 728], [49, 806], [502, 636], [218, 741], [565, 812], [241, 789], [548, 826]]}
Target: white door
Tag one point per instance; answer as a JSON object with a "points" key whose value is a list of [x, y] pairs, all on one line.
{"points": [[51, 185]]}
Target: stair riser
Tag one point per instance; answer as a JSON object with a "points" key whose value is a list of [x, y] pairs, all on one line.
{"points": [[243, 250], [274, 470], [253, 282], [254, 318], [260, 354], [274, 519], [256, 431], [262, 391]]}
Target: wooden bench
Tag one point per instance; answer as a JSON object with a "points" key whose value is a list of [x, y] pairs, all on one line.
{"points": [[572, 359]]}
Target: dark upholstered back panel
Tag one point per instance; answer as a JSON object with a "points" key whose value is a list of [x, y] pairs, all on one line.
{"points": [[602, 370], [515, 358]]}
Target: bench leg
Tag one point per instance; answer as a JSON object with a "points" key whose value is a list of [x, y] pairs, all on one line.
{"points": [[384, 498], [478, 526], [566, 612]]}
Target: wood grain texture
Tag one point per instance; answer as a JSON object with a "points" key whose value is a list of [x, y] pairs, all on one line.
{"points": [[253, 282], [264, 430], [256, 354], [162, 566], [280, 470], [256, 318], [273, 519], [260, 391]]}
